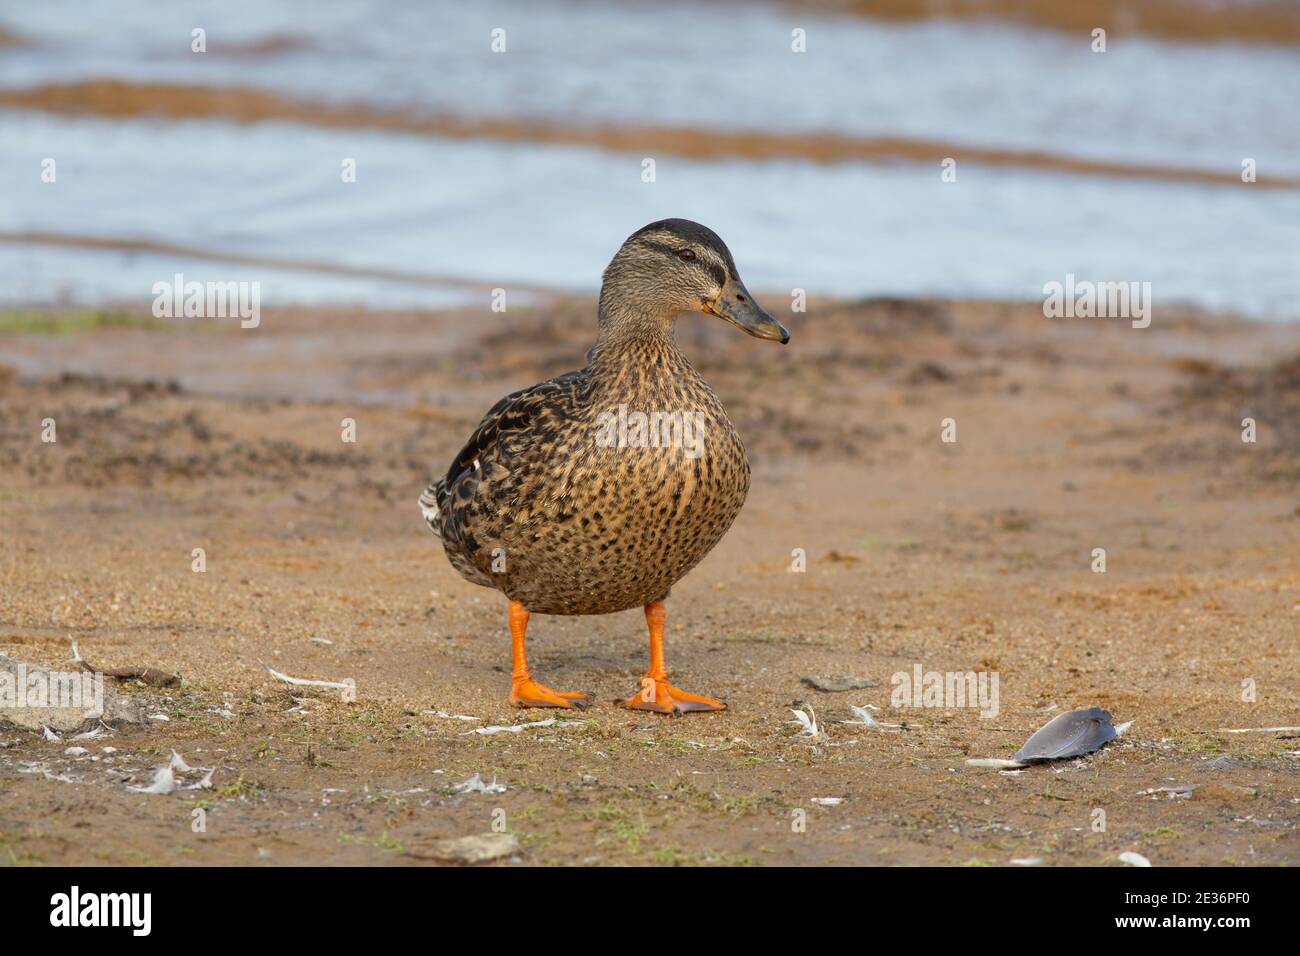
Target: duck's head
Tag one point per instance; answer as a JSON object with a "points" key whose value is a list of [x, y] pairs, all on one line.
{"points": [[674, 266]]}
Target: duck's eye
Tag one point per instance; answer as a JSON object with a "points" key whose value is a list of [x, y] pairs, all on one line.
{"points": [[686, 254]]}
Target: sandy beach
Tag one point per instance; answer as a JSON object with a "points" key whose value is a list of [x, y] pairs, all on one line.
{"points": [[972, 555]]}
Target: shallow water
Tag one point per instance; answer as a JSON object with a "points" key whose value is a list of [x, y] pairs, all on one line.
{"points": [[553, 216], [502, 214], [1199, 105]]}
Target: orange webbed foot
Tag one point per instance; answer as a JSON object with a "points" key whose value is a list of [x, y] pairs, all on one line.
{"points": [[528, 693], [661, 697]]}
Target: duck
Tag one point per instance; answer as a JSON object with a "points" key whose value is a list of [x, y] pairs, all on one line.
{"points": [[596, 491]]}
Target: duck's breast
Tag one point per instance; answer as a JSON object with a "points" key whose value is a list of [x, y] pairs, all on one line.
{"points": [[653, 496]]}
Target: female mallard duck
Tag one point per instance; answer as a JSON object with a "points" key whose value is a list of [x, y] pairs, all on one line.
{"points": [[598, 490]]}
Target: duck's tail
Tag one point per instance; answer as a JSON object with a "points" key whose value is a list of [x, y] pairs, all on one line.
{"points": [[429, 506]]}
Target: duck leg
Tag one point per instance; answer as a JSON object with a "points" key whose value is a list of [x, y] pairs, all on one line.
{"points": [[524, 691], [656, 694]]}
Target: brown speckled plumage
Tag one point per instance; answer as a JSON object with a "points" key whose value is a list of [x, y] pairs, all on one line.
{"points": [[539, 508]]}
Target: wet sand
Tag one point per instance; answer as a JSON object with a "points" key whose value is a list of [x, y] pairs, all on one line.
{"points": [[1218, 21], [975, 555]]}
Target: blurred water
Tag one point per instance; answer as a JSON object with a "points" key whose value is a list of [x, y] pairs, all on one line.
{"points": [[552, 216], [40, 275], [728, 65]]}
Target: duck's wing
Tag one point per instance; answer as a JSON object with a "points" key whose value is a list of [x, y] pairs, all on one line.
{"points": [[521, 423]]}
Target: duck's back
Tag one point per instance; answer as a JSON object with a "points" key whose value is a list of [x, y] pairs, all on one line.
{"points": [[596, 491]]}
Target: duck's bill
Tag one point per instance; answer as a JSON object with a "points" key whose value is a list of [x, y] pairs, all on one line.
{"points": [[738, 307]]}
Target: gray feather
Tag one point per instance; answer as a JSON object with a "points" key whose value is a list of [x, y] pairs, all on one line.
{"points": [[1072, 734]]}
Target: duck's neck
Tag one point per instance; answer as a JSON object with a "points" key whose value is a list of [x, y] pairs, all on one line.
{"points": [[631, 335]]}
